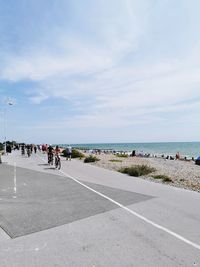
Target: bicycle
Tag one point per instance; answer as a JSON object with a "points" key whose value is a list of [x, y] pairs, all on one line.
{"points": [[23, 151], [57, 162], [50, 158], [28, 152]]}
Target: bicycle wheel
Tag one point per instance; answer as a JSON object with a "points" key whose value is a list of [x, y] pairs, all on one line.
{"points": [[59, 164], [52, 159]]}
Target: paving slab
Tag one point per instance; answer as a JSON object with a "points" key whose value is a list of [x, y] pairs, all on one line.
{"points": [[33, 201]]}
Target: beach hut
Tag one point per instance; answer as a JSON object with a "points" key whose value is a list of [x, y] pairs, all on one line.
{"points": [[197, 161]]}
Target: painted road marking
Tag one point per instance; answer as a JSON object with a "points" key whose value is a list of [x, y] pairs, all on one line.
{"points": [[15, 178], [15, 181], [160, 227]]}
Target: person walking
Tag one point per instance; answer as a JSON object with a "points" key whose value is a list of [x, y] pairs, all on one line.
{"points": [[69, 153]]}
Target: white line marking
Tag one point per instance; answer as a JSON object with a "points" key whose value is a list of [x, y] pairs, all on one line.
{"points": [[15, 179], [133, 212]]}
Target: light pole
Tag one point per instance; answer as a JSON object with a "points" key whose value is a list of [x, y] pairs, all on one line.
{"points": [[10, 103]]}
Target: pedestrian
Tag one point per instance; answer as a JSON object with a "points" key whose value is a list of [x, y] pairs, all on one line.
{"points": [[68, 153], [177, 155]]}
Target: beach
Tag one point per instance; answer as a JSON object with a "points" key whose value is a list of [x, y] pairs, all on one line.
{"points": [[184, 174], [186, 149]]}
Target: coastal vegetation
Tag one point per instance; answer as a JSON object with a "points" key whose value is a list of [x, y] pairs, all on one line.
{"points": [[115, 160], [11, 143], [137, 170], [167, 180], [75, 154], [1, 146], [91, 159], [163, 177], [122, 155]]}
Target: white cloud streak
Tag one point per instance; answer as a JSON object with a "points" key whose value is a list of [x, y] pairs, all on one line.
{"points": [[101, 76]]}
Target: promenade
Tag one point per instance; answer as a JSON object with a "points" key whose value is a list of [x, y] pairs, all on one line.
{"points": [[84, 215]]}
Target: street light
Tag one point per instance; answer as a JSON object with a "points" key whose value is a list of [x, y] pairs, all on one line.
{"points": [[10, 103]]}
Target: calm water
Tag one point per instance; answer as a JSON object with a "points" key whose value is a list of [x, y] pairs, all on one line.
{"points": [[189, 149]]}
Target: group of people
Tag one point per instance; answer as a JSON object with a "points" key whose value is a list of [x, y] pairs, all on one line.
{"points": [[29, 148], [52, 152], [56, 151]]}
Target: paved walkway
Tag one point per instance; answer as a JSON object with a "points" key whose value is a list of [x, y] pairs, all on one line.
{"points": [[88, 216]]}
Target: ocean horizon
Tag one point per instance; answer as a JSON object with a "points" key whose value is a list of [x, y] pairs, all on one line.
{"points": [[186, 149]]}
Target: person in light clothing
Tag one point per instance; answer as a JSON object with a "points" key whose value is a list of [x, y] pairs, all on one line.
{"points": [[69, 153]]}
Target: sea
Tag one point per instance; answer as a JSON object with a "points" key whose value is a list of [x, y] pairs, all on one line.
{"points": [[186, 149]]}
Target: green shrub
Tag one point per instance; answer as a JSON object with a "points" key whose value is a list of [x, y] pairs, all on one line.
{"points": [[122, 155], [1, 146], [160, 176], [115, 160], [167, 179], [64, 153], [75, 153], [137, 170], [91, 159]]}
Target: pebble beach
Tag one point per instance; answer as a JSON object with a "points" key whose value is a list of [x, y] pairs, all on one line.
{"points": [[184, 174]]}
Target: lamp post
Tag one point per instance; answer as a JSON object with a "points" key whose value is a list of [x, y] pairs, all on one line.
{"points": [[10, 103]]}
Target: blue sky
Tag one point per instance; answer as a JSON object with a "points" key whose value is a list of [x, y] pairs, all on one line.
{"points": [[100, 71]]}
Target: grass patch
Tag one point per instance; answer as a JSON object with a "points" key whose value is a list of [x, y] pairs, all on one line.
{"points": [[137, 170], [91, 159], [122, 155], [167, 179], [160, 176], [163, 177], [115, 160]]}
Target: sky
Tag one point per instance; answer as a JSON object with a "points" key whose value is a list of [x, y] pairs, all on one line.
{"points": [[99, 71]]}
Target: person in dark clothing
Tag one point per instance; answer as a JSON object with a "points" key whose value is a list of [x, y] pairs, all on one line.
{"points": [[28, 150], [8, 149], [50, 154], [133, 153]]}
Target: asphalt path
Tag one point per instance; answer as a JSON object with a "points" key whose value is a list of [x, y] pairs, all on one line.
{"points": [[89, 216]]}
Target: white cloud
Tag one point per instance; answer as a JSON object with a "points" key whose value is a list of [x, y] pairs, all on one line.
{"points": [[41, 67], [38, 99], [106, 73], [114, 31]]}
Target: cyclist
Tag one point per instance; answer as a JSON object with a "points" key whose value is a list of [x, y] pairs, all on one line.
{"points": [[50, 154], [35, 149], [57, 157], [57, 150], [28, 150], [23, 149]]}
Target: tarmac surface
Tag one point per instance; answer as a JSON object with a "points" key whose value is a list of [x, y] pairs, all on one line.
{"points": [[88, 216]]}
